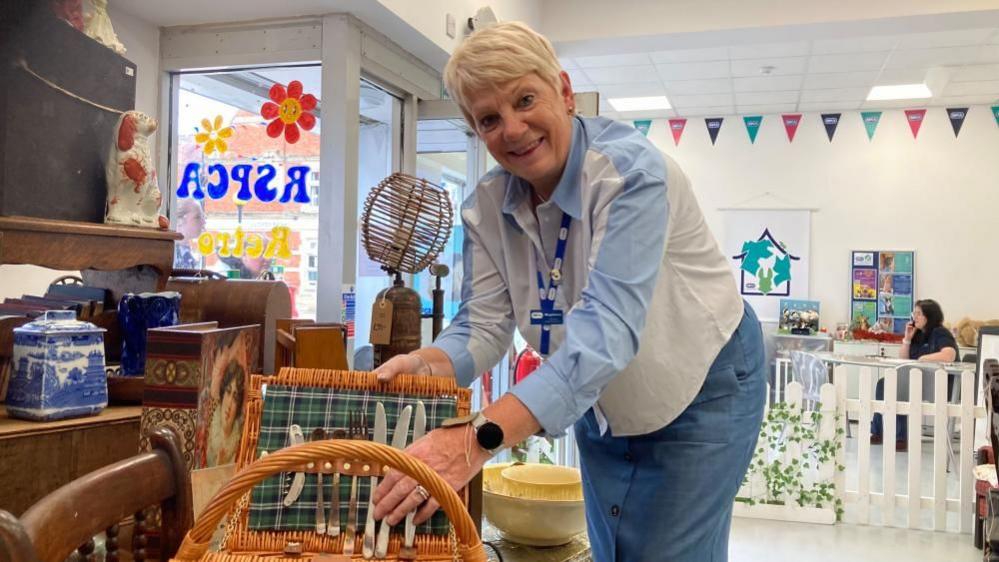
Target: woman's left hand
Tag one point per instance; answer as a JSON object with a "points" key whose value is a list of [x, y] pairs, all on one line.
{"points": [[451, 452]]}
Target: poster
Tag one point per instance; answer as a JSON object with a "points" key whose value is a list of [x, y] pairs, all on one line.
{"points": [[865, 284], [798, 317], [864, 314], [769, 251], [882, 292]]}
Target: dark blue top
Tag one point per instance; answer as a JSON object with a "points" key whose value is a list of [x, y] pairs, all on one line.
{"points": [[938, 339]]}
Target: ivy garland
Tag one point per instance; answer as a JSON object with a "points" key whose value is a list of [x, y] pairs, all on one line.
{"points": [[780, 427]]}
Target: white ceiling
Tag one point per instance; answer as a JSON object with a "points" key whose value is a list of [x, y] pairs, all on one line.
{"points": [[961, 66], [795, 65]]}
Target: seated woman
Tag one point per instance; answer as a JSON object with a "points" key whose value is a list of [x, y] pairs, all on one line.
{"points": [[925, 340]]}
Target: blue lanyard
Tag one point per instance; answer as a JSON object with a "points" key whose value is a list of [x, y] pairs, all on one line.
{"points": [[548, 314]]}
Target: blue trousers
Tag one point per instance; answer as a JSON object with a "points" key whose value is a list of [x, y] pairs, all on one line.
{"points": [[668, 495]]}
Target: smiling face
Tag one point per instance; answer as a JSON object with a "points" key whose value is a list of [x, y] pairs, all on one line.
{"points": [[527, 127]]}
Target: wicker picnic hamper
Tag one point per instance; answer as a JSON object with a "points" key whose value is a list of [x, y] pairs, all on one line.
{"points": [[249, 541]]}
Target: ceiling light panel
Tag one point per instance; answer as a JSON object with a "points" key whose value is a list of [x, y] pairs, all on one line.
{"points": [[649, 103]]}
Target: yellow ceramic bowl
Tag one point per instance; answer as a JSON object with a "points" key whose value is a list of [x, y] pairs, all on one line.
{"points": [[534, 522], [542, 482]]}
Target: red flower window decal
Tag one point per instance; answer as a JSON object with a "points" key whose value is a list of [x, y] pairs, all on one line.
{"points": [[288, 110]]}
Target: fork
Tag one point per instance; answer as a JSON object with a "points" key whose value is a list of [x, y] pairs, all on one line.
{"points": [[357, 428], [333, 521]]}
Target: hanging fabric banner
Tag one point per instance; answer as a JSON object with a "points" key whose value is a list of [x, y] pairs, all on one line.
{"points": [[769, 254], [791, 125], [676, 127], [714, 125], [956, 116], [830, 121], [871, 119], [915, 120], [753, 126], [995, 113], [643, 125]]}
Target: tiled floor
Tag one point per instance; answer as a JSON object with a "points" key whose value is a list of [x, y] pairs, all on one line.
{"points": [[755, 540]]}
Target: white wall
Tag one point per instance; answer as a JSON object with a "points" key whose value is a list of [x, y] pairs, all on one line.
{"points": [[142, 41], [937, 195], [428, 16]]}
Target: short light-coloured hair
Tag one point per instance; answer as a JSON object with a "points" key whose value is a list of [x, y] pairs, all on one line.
{"points": [[496, 55]]}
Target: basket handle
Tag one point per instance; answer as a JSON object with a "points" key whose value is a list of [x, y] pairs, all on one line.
{"points": [[197, 540]]}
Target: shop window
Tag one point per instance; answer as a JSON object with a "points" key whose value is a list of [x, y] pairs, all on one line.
{"points": [[246, 180]]}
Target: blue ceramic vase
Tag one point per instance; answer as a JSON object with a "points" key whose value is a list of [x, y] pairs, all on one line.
{"points": [[138, 313], [58, 369]]}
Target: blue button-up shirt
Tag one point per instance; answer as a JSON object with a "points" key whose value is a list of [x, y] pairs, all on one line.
{"points": [[650, 299]]}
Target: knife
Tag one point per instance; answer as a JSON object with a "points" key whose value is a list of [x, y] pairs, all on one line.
{"points": [[399, 442], [298, 482], [319, 434], [368, 546], [419, 428]]}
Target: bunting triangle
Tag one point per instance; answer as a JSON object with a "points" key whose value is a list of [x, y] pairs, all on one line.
{"points": [[791, 125], [830, 121], [956, 116], [643, 125], [995, 113], [676, 127], [753, 126], [871, 120], [915, 119], [714, 125]]}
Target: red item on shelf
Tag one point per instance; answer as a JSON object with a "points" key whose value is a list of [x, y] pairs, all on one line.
{"points": [[527, 361], [859, 334]]}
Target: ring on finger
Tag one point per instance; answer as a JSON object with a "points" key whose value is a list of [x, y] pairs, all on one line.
{"points": [[423, 492]]}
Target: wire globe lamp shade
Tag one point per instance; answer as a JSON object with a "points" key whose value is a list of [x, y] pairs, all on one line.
{"points": [[406, 223]]}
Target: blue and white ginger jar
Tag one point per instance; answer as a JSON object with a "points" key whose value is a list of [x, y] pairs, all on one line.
{"points": [[58, 369]]}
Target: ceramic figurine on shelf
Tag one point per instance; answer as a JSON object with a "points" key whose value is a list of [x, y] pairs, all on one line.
{"points": [[58, 369], [97, 25], [133, 196]]}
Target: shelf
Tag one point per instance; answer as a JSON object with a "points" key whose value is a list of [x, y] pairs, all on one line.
{"points": [[12, 427], [68, 245]]}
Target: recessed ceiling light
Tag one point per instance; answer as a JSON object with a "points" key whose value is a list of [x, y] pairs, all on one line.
{"points": [[639, 104], [899, 92]]}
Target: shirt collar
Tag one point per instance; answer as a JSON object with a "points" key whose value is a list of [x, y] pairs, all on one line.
{"points": [[566, 195]]}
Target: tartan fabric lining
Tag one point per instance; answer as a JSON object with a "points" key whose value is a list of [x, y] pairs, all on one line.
{"points": [[312, 407]]}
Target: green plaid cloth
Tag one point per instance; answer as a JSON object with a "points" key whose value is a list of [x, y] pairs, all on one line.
{"points": [[312, 407]]}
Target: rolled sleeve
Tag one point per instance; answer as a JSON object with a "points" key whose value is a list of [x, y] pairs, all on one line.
{"points": [[603, 329]]}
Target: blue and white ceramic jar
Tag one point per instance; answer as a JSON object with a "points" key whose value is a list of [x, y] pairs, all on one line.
{"points": [[58, 369]]}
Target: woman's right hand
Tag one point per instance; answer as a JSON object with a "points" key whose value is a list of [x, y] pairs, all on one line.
{"points": [[910, 329], [410, 363]]}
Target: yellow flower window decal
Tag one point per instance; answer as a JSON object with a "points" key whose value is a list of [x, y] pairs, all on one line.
{"points": [[213, 136]]}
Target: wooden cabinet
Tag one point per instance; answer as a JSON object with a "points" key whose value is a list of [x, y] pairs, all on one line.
{"points": [[40, 457]]}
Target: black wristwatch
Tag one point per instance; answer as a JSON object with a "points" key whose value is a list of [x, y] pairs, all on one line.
{"points": [[488, 434]]}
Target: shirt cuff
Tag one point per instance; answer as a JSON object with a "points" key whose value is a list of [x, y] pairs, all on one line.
{"points": [[461, 359], [547, 401]]}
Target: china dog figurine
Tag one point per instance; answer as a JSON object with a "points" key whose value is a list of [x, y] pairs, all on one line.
{"points": [[133, 196]]}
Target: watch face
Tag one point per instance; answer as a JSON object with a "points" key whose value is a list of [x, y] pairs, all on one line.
{"points": [[489, 436]]}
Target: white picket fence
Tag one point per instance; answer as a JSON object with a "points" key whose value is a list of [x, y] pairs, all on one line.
{"points": [[917, 500], [795, 450]]}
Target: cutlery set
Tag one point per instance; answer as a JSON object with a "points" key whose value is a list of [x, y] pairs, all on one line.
{"points": [[375, 542]]}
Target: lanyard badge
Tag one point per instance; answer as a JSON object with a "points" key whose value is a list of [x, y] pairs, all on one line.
{"points": [[548, 316]]}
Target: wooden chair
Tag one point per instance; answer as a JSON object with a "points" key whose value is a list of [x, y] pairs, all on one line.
{"points": [[70, 516]]}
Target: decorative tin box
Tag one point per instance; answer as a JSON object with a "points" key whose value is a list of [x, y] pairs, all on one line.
{"points": [[58, 369]]}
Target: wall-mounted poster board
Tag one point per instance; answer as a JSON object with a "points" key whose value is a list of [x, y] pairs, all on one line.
{"points": [[882, 289]]}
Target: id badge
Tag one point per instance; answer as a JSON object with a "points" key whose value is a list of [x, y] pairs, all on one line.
{"points": [[546, 317]]}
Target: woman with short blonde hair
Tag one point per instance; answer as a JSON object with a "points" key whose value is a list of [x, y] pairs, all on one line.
{"points": [[589, 241]]}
